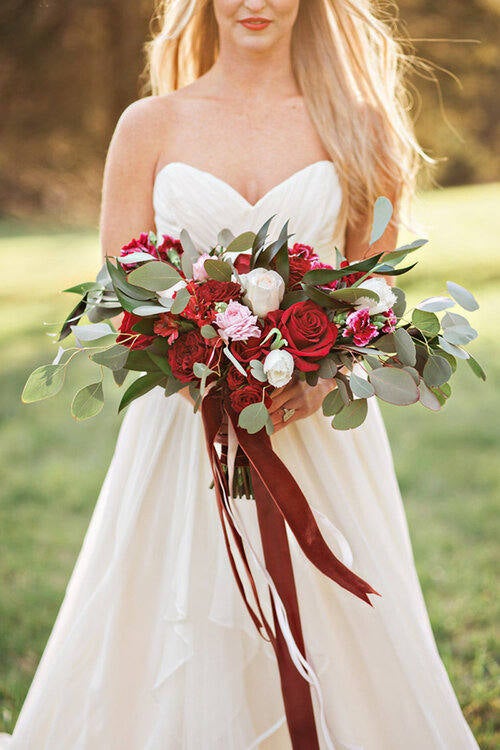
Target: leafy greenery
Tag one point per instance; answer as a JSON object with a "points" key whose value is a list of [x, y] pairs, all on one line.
{"points": [[446, 463]]}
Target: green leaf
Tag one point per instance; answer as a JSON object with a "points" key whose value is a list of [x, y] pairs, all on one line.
{"points": [[386, 268], [382, 212], [75, 315], [399, 306], [426, 322], [351, 294], [387, 343], [208, 332], [241, 243], [327, 368], [88, 401], [141, 386], [405, 347], [459, 334], [476, 368], [172, 385], [452, 349], [413, 372], [260, 239], [435, 304], [332, 403], [394, 385], [219, 270], [257, 370], [427, 398], [253, 417], [437, 370], [149, 310], [352, 415], [86, 286], [290, 298], [461, 295], [43, 382], [119, 376], [122, 283], [180, 302], [360, 387], [160, 361], [139, 360], [114, 357], [155, 276]]}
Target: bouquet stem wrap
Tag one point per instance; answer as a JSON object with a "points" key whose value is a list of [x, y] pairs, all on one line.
{"points": [[279, 501]]}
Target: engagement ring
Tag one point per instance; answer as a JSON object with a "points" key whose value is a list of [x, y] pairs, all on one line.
{"points": [[287, 413]]}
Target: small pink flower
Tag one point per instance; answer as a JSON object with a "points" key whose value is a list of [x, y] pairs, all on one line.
{"points": [[199, 273], [237, 322], [360, 327], [303, 251], [390, 324]]}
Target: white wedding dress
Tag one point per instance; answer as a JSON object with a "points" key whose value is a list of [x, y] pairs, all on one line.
{"points": [[153, 649]]}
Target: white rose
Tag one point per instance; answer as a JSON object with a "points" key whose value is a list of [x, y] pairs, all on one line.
{"points": [[278, 366], [387, 298], [264, 290]]}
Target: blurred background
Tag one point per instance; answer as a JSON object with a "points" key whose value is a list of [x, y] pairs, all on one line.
{"points": [[68, 68]]}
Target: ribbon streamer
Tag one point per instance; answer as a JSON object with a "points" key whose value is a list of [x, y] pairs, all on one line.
{"points": [[279, 502]]}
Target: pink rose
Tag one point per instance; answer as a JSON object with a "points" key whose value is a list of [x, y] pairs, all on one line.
{"points": [[199, 273], [360, 327], [237, 322]]}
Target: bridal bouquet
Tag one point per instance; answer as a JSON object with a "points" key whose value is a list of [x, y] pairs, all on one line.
{"points": [[245, 317]]}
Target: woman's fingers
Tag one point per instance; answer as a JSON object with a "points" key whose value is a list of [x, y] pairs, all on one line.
{"points": [[277, 416], [281, 395]]}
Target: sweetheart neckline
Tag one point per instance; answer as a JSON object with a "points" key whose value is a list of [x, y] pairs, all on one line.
{"points": [[236, 192]]}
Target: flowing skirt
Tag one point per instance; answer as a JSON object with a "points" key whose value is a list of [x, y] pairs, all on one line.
{"points": [[153, 649]]}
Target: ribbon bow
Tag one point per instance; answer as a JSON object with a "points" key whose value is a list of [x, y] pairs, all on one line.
{"points": [[279, 501]]}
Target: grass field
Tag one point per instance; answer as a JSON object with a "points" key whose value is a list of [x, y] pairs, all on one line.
{"points": [[447, 463]]}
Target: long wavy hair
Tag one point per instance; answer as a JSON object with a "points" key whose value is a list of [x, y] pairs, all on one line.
{"points": [[351, 69]]}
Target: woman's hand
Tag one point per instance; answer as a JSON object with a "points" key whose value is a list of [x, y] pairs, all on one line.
{"points": [[298, 395]]}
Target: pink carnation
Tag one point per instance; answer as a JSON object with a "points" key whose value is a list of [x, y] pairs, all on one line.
{"points": [[303, 251], [237, 322], [199, 273], [360, 327], [391, 321]]}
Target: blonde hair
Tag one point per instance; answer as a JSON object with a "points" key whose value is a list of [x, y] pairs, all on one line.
{"points": [[360, 109]]}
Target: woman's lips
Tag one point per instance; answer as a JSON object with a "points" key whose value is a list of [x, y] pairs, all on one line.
{"points": [[255, 24]]}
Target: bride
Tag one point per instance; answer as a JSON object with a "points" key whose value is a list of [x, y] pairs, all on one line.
{"points": [[258, 107]]}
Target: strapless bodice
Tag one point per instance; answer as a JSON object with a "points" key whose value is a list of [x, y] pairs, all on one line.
{"points": [[191, 198]]}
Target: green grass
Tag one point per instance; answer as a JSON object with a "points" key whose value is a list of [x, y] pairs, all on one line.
{"points": [[447, 463]]}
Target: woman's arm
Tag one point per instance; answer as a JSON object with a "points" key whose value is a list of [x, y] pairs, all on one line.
{"points": [[129, 171]]}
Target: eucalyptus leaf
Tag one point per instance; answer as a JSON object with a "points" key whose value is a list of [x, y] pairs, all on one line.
{"points": [[327, 368], [136, 257], [122, 283], [188, 246], [413, 372], [427, 398], [91, 332], [219, 270], [351, 416], [208, 332], [360, 387], [332, 403], [155, 276], [145, 310], [382, 212], [394, 385], [399, 306], [405, 347], [435, 304], [234, 361], [426, 322], [43, 382], [88, 401], [86, 286], [180, 302], [459, 334], [257, 370], [119, 376], [225, 237], [114, 357], [437, 370], [450, 320], [452, 349], [253, 417], [476, 368], [345, 393], [461, 295], [241, 243], [387, 344]]}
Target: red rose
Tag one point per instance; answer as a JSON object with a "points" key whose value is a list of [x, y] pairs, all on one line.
{"points": [[253, 348], [234, 378], [299, 266], [143, 245], [242, 262], [200, 307], [309, 333], [131, 338], [248, 394], [189, 348]]}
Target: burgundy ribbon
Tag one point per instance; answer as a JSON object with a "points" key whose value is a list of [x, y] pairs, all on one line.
{"points": [[279, 501]]}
